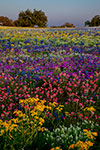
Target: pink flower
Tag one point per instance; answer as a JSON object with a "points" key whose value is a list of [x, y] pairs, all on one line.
{"points": [[69, 89], [37, 96], [66, 102], [72, 113], [2, 115], [87, 84], [75, 100], [15, 94], [86, 117], [81, 105], [42, 92], [87, 100], [27, 106], [47, 94], [80, 115], [54, 89], [2, 106]]}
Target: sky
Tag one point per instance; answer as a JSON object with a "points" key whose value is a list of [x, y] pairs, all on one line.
{"points": [[57, 11]]}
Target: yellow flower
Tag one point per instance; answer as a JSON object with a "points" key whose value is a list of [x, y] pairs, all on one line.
{"points": [[85, 130], [13, 127], [71, 146], [91, 76], [39, 106], [41, 121], [61, 105], [48, 107], [15, 120], [9, 122], [53, 104], [78, 144], [81, 145], [71, 48], [21, 101], [67, 113], [12, 45], [28, 43], [6, 125], [89, 109], [33, 113], [94, 133], [92, 109], [59, 109], [2, 132], [57, 147], [36, 117], [1, 121], [89, 143], [10, 136], [88, 134], [41, 129]]}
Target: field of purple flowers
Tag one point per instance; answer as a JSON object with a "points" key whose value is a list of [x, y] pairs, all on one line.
{"points": [[49, 89]]}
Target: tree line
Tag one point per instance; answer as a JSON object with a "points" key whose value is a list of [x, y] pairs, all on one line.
{"points": [[26, 19], [37, 18]]}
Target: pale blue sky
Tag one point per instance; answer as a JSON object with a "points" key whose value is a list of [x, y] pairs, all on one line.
{"points": [[57, 11]]}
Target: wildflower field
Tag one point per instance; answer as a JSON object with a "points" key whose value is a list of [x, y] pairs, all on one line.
{"points": [[49, 89]]}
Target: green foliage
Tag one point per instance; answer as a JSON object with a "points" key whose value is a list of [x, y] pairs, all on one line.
{"points": [[14, 133], [94, 22], [31, 19], [63, 136], [39, 18], [87, 23], [67, 24]]}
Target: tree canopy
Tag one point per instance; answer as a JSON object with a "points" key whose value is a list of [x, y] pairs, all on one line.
{"points": [[69, 25], [31, 19], [94, 22], [87, 23], [5, 21]]}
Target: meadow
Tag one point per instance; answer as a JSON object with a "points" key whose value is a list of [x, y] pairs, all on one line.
{"points": [[49, 89]]}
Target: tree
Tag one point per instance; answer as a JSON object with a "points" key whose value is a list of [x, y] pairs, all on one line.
{"points": [[69, 25], [16, 23], [24, 19], [29, 19], [5, 21], [39, 18], [87, 23], [95, 21]]}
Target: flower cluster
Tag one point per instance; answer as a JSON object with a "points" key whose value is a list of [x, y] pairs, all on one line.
{"points": [[81, 145], [28, 122], [90, 135], [56, 148], [60, 69]]}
